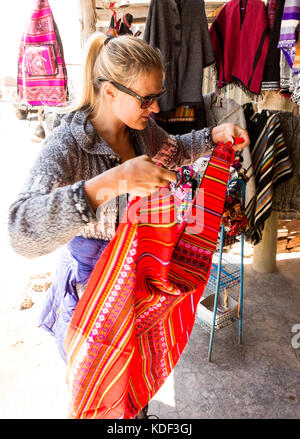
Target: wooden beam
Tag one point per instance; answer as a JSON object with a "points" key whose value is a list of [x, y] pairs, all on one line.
{"points": [[88, 19]]}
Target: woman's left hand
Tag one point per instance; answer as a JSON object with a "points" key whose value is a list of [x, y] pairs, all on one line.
{"points": [[225, 132]]}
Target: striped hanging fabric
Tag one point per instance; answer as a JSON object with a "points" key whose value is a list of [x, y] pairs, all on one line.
{"points": [[42, 74], [137, 313]]}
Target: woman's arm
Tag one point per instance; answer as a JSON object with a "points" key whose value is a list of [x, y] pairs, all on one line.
{"points": [[56, 202], [52, 207], [175, 151]]}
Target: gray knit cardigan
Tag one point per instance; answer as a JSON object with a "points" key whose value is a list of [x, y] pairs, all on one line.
{"points": [[52, 207]]}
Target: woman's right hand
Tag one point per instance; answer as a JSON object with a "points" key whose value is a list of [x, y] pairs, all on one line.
{"points": [[139, 176], [142, 176]]}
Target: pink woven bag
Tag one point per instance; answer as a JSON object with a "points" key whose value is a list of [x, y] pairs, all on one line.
{"points": [[42, 73]]}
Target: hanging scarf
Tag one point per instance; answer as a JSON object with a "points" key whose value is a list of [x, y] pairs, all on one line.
{"points": [[289, 30], [241, 53], [137, 312], [271, 164], [42, 74]]}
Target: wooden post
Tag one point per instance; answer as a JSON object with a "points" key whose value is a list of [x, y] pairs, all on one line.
{"points": [[88, 19], [264, 253]]}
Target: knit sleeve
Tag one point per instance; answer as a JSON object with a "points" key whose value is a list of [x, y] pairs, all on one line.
{"points": [[52, 207], [175, 151]]}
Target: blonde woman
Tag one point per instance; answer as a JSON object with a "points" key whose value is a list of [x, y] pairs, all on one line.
{"points": [[106, 147]]}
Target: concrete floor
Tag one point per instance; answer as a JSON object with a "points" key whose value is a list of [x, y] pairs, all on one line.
{"points": [[258, 379]]}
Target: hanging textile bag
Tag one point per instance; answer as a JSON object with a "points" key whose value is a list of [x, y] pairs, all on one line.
{"points": [[42, 73]]}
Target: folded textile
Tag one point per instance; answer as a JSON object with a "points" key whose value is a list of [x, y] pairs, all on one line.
{"points": [[137, 312]]}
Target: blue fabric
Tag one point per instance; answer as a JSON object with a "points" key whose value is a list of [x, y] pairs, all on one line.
{"points": [[76, 262]]}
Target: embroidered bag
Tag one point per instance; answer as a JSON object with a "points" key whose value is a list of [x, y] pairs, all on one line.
{"points": [[42, 73]]}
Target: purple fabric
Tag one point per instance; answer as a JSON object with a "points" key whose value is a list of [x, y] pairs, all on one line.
{"points": [[290, 31], [76, 262]]}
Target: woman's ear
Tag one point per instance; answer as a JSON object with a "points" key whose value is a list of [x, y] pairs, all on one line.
{"points": [[109, 90]]}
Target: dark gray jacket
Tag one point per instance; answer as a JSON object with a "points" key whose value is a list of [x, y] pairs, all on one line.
{"points": [[184, 41], [52, 207]]}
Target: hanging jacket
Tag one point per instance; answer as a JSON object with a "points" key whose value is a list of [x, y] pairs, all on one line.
{"points": [[240, 39], [42, 74], [184, 41]]}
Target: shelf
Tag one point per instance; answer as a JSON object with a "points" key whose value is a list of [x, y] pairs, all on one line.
{"points": [[230, 273]]}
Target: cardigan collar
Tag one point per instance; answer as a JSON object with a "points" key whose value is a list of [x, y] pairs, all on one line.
{"points": [[86, 135]]}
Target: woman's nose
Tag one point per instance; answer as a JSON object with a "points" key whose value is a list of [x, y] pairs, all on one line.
{"points": [[154, 107]]}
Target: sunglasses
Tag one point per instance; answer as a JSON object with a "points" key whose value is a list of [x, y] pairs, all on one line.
{"points": [[146, 101]]}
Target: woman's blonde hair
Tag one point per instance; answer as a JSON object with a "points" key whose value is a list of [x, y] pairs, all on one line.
{"points": [[122, 59]]}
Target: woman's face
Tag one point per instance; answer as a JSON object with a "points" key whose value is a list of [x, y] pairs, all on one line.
{"points": [[128, 108]]}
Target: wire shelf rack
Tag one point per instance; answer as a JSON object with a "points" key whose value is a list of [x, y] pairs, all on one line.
{"points": [[230, 273]]}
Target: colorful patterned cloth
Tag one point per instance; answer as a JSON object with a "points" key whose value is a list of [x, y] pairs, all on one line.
{"points": [[271, 164], [289, 31], [42, 74], [137, 312]]}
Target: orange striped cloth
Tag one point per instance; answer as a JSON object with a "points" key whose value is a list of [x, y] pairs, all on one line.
{"points": [[296, 63], [137, 312]]}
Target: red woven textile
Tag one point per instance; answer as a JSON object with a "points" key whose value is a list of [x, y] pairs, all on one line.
{"points": [[240, 39], [137, 312]]}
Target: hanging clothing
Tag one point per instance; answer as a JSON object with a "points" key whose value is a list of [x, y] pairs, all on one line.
{"points": [[273, 4], [239, 50], [289, 81], [182, 120], [137, 312], [289, 32], [42, 73], [183, 38], [286, 198], [271, 74], [271, 164], [218, 110]]}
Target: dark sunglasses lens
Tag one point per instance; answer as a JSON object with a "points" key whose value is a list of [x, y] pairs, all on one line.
{"points": [[147, 102]]}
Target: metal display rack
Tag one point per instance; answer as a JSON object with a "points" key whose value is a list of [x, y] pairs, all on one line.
{"points": [[226, 272]]}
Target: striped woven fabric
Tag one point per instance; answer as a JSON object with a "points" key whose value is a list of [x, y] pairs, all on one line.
{"points": [[180, 114], [271, 165], [137, 312], [289, 30], [42, 74]]}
